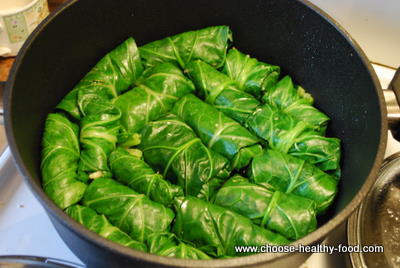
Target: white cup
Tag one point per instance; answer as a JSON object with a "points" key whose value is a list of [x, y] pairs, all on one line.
{"points": [[18, 18]]}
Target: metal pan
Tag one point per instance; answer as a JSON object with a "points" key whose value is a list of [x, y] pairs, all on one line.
{"points": [[296, 35]]}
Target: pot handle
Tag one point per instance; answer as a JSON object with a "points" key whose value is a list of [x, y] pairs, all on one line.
{"points": [[392, 98]]}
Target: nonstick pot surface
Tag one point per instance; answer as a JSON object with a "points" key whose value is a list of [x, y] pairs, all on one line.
{"points": [[291, 34]]}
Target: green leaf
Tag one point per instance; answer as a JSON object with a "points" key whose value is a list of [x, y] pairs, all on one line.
{"points": [[217, 230], [167, 244], [253, 76], [217, 131], [208, 44], [172, 148], [100, 225], [288, 174], [60, 155], [136, 174], [157, 91], [130, 211], [290, 215]]}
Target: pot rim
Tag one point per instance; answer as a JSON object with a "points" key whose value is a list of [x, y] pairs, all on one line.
{"points": [[99, 241]]}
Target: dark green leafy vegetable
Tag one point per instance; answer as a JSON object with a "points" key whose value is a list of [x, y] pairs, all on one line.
{"points": [[221, 91], [219, 132], [135, 173], [167, 244], [157, 91], [208, 44], [253, 76], [288, 174], [290, 215], [172, 148], [100, 225], [297, 103], [288, 135], [60, 155], [130, 211], [217, 230]]}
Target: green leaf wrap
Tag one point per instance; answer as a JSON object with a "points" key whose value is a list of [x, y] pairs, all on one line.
{"points": [[286, 134], [208, 44], [288, 174], [168, 245], [157, 91], [217, 131], [290, 215], [60, 155], [135, 173], [253, 76], [172, 148], [130, 211], [100, 225], [222, 92], [294, 101], [217, 230]]}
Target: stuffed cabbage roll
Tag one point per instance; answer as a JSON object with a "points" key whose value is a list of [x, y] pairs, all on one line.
{"points": [[157, 91], [294, 101], [173, 149], [253, 76], [168, 245], [128, 210], [208, 44], [217, 131], [217, 230], [290, 215], [139, 176], [100, 225], [281, 172], [60, 156]]}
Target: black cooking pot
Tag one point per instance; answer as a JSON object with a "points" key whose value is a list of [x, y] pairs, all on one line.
{"points": [[293, 34]]}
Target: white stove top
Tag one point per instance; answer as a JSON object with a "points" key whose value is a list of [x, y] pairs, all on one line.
{"points": [[25, 228]]}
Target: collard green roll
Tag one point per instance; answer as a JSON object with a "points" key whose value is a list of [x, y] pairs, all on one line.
{"points": [[60, 155], [253, 76], [295, 101], [130, 211], [168, 245], [290, 215], [217, 230], [217, 131], [100, 225], [172, 148], [157, 91], [208, 44], [288, 174], [138, 175]]}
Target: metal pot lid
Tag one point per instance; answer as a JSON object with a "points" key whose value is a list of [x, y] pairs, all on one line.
{"points": [[35, 262], [376, 223]]}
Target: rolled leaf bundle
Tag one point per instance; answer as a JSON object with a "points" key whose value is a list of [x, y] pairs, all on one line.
{"points": [[217, 131], [208, 44], [221, 91], [290, 215], [168, 245], [217, 230], [173, 149], [100, 225], [114, 73], [130, 211], [139, 176], [253, 76], [60, 155], [288, 135], [157, 91], [281, 172], [297, 103]]}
